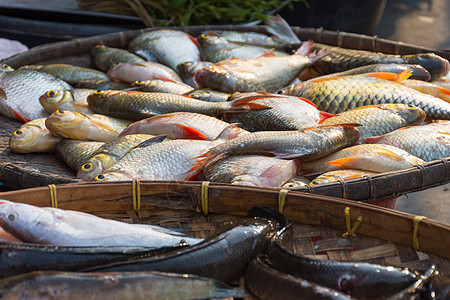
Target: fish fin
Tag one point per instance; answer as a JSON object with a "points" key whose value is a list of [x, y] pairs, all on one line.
{"points": [[305, 49], [391, 76], [154, 140], [3, 94], [225, 131], [271, 171], [84, 105], [316, 80], [191, 133], [194, 40], [269, 53], [99, 123], [370, 140], [442, 90], [281, 30], [323, 115], [204, 159], [345, 162], [19, 117], [245, 105], [166, 79], [308, 101], [343, 125]]}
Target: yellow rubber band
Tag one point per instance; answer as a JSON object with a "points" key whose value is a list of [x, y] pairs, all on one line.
{"points": [[53, 197], [204, 197], [416, 222], [351, 230], [282, 199], [136, 190], [358, 221]]}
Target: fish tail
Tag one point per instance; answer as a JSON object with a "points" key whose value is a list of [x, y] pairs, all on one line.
{"points": [[202, 160], [325, 115], [305, 49], [244, 105], [400, 77], [281, 30]]}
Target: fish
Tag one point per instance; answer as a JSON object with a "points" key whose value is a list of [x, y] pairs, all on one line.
{"points": [[167, 46], [68, 73], [20, 257], [335, 95], [104, 57], [341, 59], [208, 95], [102, 85], [418, 72], [428, 142], [188, 69], [8, 238], [72, 100], [246, 37], [90, 127], [223, 256], [215, 48], [379, 119], [58, 227], [20, 91], [139, 105], [285, 113], [305, 144], [266, 73], [75, 153], [163, 85], [361, 280], [444, 83], [251, 170], [297, 181], [336, 175], [153, 160], [265, 282], [108, 154], [141, 71], [428, 88], [33, 137], [185, 125], [115, 285], [368, 157]]}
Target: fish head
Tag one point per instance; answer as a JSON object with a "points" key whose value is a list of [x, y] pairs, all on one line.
{"points": [[95, 166], [412, 114], [62, 118], [113, 176], [53, 99], [212, 76], [6, 68], [293, 90], [25, 138]]}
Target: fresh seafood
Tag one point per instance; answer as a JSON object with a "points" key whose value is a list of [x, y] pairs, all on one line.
{"points": [[297, 181], [444, 83], [22, 258], [69, 73], [215, 48], [20, 91], [358, 279], [108, 154], [428, 142], [223, 256], [267, 283], [285, 113], [8, 238], [341, 59], [185, 125], [73, 100], [60, 227], [120, 285], [208, 95], [163, 45], [335, 95], [369, 157], [266, 73], [104, 57], [152, 160], [188, 69], [305, 144], [75, 153], [163, 85], [32, 137], [252, 170], [379, 119], [102, 85], [77, 126], [428, 88], [336, 175], [147, 70], [139, 105]]}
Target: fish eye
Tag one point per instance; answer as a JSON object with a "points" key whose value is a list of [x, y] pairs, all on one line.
{"points": [[86, 167], [100, 177], [11, 217], [18, 132], [412, 106], [5, 66], [291, 184], [51, 93], [98, 92], [60, 111]]}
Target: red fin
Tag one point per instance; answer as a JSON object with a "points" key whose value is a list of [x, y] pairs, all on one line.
{"points": [[3, 94], [269, 53], [166, 79], [370, 140], [192, 133], [442, 90], [342, 125], [203, 159], [228, 130], [391, 76], [308, 101], [345, 162], [243, 105], [315, 80], [324, 115], [194, 40], [305, 48], [19, 116]]}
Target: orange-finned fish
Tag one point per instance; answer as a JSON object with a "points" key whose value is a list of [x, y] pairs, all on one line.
{"points": [[336, 175], [140, 71], [335, 95], [185, 125], [74, 152], [105, 58], [32, 137], [375, 158], [163, 85], [429, 142], [379, 119], [139, 105], [428, 88]]}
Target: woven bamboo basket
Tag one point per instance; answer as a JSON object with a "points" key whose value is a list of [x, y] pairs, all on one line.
{"points": [[32, 170], [376, 234]]}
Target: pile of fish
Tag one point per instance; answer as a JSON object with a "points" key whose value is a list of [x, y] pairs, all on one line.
{"points": [[68, 254], [234, 107]]}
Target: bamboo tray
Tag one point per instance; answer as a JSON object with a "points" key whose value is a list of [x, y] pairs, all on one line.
{"points": [[383, 236], [33, 170]]}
